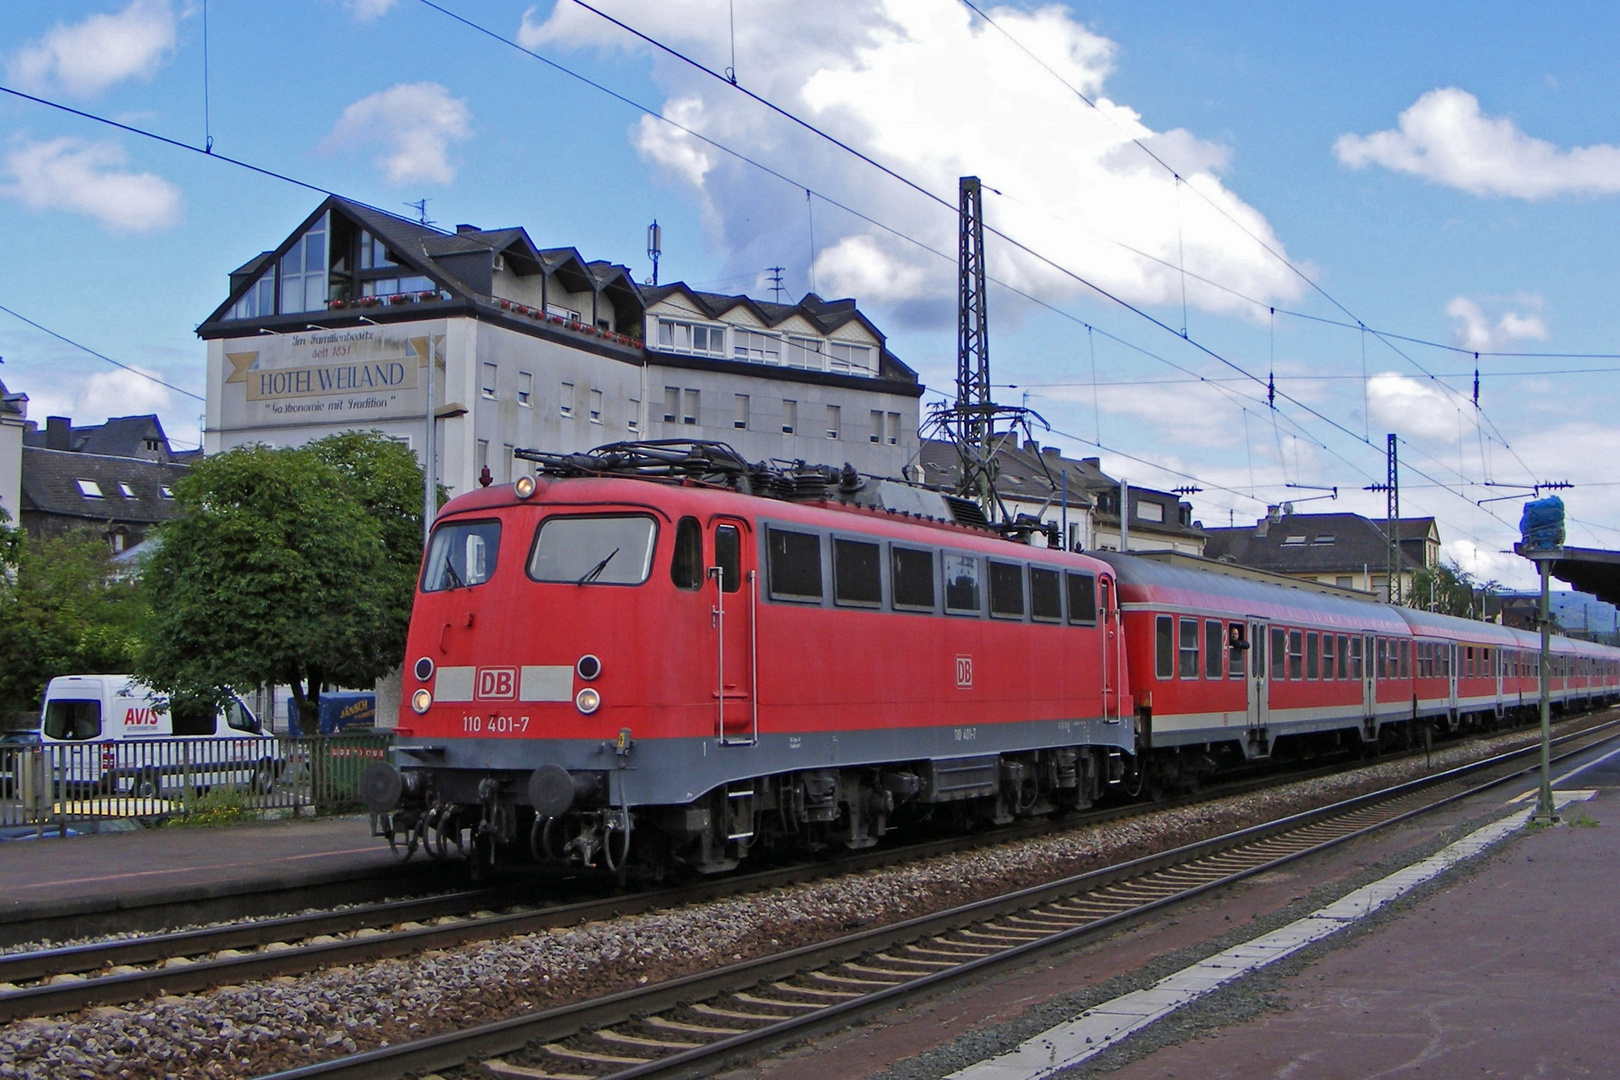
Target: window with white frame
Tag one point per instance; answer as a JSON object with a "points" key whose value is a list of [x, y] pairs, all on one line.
{"points": [[893, 437], [508, 461], [672, 404], [755, 347], [525, 390], [482, 460], [90, 489], [849, 359], [689, 410], [565, 399], [303, 272], [634, 423], [567, 314], [125, 490], [596, 406], [835, 422], [698, 339], [487, 386], [1149, 511], [740, 420], [790, 417], [805, 352], [877, 425]]}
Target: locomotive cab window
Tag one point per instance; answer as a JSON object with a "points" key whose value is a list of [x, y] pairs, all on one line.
{"points": [[728, 557], [686, 567], [912, 574], [1006, 590], [462, 554], [613, 549], [795, 565], [962, 584], [857, 573], [1045, 595], [1082, 598]]}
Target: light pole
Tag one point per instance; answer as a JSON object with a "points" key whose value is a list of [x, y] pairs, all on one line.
{"points": [[1542, 530]]}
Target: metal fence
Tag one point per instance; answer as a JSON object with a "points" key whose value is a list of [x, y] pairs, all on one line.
{"points": [[53, 786]]}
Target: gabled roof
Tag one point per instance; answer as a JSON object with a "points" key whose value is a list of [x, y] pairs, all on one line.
{"points": [[1311, 544], [12, 404], [1022, 476], [50, 485], [120, 436]]}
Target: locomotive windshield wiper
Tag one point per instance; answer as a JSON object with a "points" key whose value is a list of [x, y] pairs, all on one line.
{"points": [[450, 572], [596, 571]]}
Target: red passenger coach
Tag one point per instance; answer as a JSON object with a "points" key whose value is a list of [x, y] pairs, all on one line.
{"points": [[610, 668]]}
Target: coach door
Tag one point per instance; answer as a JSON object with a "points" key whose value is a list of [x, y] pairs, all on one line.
{"points": [[1369, 675], [1451, 677], [734, 585], [1259, 707]]}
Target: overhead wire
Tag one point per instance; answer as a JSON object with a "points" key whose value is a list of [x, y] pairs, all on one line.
{"points": [[98, 355]]}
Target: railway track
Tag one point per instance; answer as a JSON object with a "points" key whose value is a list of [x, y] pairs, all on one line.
{"points": [[60, 980], [697, 1023]]}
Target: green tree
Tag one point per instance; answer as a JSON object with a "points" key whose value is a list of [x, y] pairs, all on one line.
{"points": [[1451, 590], [65, 609], [287, 566]]}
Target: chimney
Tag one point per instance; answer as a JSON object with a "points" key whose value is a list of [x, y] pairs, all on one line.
{"points": [[466, 229], [1031, 446], [58, 433], [1094, 462], [1274, 514], [1052, 452]]}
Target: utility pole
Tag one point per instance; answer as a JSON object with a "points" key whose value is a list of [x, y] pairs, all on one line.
{"points": [[1392, 523], [972, 320]]}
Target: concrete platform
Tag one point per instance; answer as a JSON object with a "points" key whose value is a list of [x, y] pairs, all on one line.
{"points": [[1507, 966], [109, 872]]}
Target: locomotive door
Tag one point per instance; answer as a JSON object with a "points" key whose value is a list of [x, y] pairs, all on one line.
{"points": [[1113, 662], [734, 584], [1259, 706]]}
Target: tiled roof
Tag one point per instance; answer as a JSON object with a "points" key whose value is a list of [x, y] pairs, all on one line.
{"points": [[50, 485], [12, 404], [1314, 544]]}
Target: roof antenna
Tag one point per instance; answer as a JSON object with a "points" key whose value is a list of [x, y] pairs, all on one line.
{"points": [[420, 206], [655, 246], [775, 279]]}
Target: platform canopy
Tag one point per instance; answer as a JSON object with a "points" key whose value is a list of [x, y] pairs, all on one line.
{"points": [[1590, 570]]}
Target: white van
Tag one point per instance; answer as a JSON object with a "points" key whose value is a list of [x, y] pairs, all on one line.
{"points": [[118, 734]]}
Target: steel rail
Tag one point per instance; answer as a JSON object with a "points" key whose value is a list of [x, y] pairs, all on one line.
{"points": [[739, 986]]}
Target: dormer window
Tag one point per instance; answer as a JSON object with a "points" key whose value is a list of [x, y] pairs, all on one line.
{"points": [[165, 491], [1149, 511], [1324, 538], [1294, 541], [849, 359], [125, 490], [679, 336], [90, 489]]}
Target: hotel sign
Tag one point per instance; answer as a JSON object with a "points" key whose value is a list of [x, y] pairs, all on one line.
{"points": [[344, 377]]}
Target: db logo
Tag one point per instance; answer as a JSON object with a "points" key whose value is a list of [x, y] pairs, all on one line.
{"points": [[964, 672], [497, 683]]}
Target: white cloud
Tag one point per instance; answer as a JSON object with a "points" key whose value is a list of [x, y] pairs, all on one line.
{"points": [[1412, 407], [887, 76], [122, 393], [88, 57], [82, 177], [1475, 329], [1443, 137], [415, 123], [366, 11]]}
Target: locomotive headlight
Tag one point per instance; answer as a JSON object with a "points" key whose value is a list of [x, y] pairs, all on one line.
{"points": [[589, 667], [588, 700], [424, 669], [524, 487], [421, 701]]}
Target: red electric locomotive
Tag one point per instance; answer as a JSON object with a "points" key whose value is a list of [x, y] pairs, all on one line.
{"points": [[625, 660], [657, 654]]}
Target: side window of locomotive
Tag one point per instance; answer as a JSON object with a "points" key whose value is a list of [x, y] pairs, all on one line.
{"points": [[961, 584], [1189, 649], [728, 557], [1082, 598], [1164, 647], [1296, 655], [686, 568], [857, 573], [462, 554], [795, 565], [1214, 648], [1045, 595], [614, 549], [912, 572], [1006, 590], [1279, 653]]}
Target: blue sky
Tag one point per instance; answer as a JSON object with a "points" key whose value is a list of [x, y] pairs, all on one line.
{"points": [[1445, 172]]}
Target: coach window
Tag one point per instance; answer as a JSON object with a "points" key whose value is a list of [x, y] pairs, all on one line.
{"points": [[1327, 656], [962, 584], [1279, 653], [1468, 663], [1236, 639], [1006, 590], [1082, 598], [1258, 664], [1313, 656], [611, 550], [857, 573], [1214, 648], [1164, 648], [1344, 657], [912, 573], [686, 568], [1406, 659], [1045, 595], [462, 553], [1381, 669], [794, 559], [1296, 655], [1189, 649], [1356, 671], [728, 557]]}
